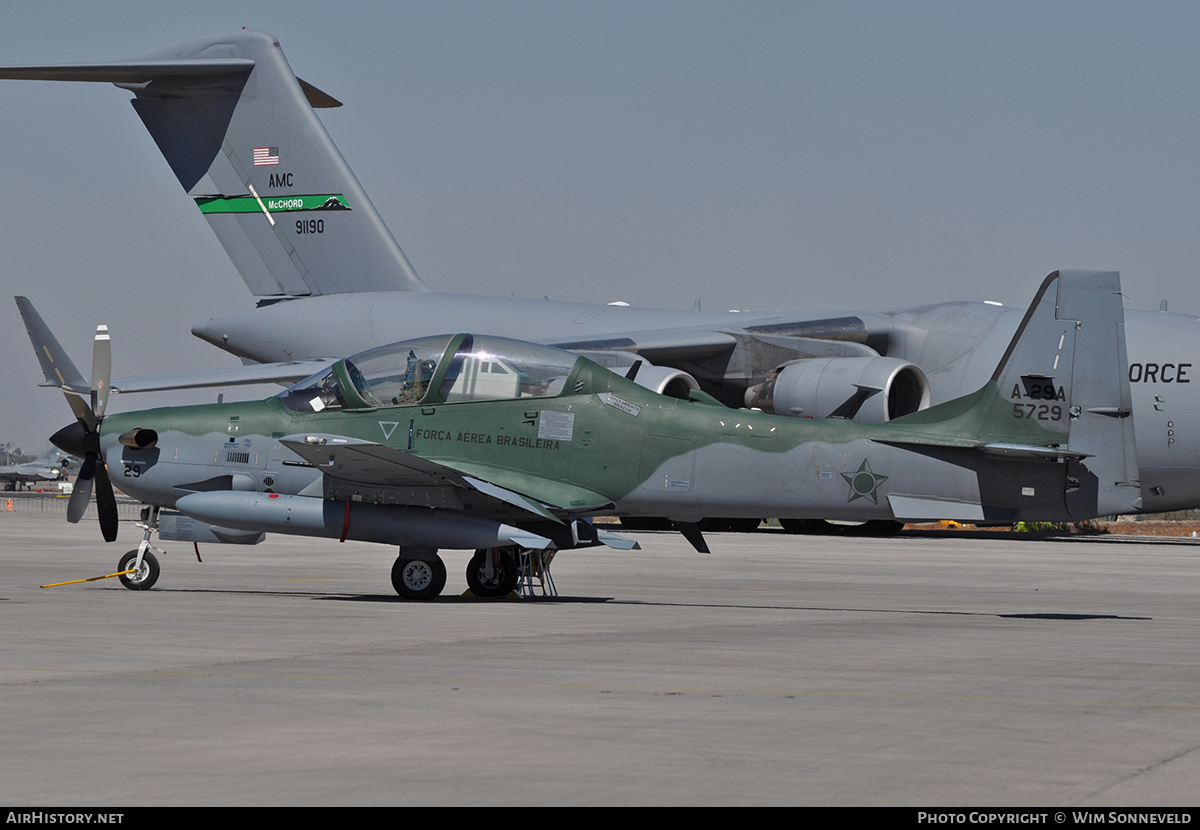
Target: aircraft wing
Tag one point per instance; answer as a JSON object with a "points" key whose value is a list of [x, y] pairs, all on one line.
{"points": [[288, 372], [59, 371], [52, 357], [692, 343], [127, 72], [705, 352], [367, 471], [846, 336]]}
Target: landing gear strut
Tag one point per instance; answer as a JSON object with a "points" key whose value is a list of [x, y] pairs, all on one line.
{"points": [[492, 573], [141, 561]]}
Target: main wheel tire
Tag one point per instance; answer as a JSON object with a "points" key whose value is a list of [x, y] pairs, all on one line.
{"points": [[794, 525], [146, 575], [730, 525], [811, 527], [878, 528], [419, 578], [503, 579], [645, 523], [820, 527]]}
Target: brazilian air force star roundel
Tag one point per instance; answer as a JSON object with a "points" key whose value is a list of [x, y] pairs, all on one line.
{"points": [[864, 483]]}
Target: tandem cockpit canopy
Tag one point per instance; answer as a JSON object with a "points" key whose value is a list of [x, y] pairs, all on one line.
{"points": [[434, 370]]}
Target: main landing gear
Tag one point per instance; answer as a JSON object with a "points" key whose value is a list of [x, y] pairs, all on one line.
{"points": [[492, 573], [820, 527], [421, 575]]}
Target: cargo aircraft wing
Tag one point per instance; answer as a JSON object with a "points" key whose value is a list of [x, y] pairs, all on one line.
{"points": [[60, 372]]}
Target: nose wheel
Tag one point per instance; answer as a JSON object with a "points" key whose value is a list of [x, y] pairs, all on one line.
{"points": [[144, 575], [141, 560]]}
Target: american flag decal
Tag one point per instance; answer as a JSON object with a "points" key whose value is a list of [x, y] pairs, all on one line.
{"points": [[266, 156]]}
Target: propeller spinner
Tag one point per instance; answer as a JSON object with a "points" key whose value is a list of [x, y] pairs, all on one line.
{"points": [[82, 439]]}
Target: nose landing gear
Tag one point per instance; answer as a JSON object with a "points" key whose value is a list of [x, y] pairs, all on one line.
{"points": [[141, 560], [145, 573]]}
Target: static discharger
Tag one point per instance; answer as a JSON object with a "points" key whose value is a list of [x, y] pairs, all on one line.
{"points": [[89, 579]]}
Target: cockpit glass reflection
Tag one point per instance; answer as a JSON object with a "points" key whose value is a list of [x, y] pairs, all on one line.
{"points": [[464, 368]]}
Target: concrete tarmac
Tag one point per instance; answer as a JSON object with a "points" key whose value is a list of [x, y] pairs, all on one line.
{"points": [[949, 671]]}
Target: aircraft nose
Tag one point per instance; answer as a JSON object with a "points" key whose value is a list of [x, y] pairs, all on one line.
{"points": [[72, 439]]}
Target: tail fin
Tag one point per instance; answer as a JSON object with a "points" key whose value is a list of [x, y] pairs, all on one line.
{"points": [[53, 457], [57, 367], [239, 131], [1096, 397], [1061, 392]]}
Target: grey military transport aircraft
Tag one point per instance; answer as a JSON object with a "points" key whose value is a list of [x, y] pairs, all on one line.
{"points": [[240, 132], [52, 465], [504, 447]]}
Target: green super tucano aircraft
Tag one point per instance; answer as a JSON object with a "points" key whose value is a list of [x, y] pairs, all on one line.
{"points": [[499, 446]]}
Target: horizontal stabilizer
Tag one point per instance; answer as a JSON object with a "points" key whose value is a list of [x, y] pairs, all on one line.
{"points": [[127, 72], [134, 73], [1002, 449], [1030, 451]]}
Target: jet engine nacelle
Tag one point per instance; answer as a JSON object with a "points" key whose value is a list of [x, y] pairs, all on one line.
{"points": [[870, 390], [666, 381]]}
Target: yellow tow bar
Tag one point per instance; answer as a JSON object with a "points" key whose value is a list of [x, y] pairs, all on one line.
{"points": [[89, 579]]}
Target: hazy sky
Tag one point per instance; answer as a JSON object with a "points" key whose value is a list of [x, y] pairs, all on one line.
{"points": [[750, 155]]}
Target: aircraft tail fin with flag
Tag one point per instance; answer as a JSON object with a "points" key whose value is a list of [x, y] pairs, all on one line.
{"points": [[239, 131]]}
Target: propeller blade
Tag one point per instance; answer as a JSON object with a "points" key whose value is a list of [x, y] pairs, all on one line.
{"points": [[101, 370], [106, 503], [82, 410], [81, 496], [87, 471]]}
